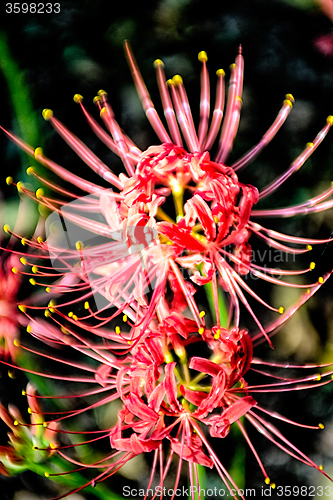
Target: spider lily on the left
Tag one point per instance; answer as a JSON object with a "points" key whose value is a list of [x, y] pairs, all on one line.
{"points": [[12, 278], [147, 258]]}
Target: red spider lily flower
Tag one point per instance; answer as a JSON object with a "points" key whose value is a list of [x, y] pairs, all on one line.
{"points": [[129, 248], [171, 397], [10, 316], [11, 280], [29, 443], [209, 233], [12, 275]]}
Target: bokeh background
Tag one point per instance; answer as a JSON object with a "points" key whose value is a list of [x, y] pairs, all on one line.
{"points": [[288, 48]]}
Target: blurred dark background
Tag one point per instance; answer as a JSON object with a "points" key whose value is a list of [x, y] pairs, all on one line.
{"points": [[288, 48]]}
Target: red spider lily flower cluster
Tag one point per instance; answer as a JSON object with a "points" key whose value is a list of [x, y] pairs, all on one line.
{"points": [[148, 258]]}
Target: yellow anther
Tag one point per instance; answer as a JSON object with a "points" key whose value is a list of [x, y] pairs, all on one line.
{"points": [[129, 342], [103, 111], [22, 308], [30, 171], [273, 486], [319, 377], [51, 305], [15, 423], [86, 305], [6, 228], [14, 270], [288, 102], [169, 82], [176, 188], [309, 144], [45, 425], [9, 180], [30, 411], [23, 241], [47, 289], [321, 426], [329, 119], [46, 474], [24, 393], [217, 336], [35, 447], [201, 330], [168, 358], [70, 314], [321, 280], [32, 281], [39, 193], [321, 467], [96, 99], [158, 62], [202, 56], [11, 374], [220, 72], [125, 318], [202, 314], [177, 80], [267, 480], [232, 66], [75, 318], [312, 265], [78, 98], [117, 330], [23, 260], [63, 329], [308, 247], [40, 239], [79, 245], [102, 92], [281, 310], [16, 343], [29, 328], [53, 446], [47, 114], [20, 186], [47, 313], [38, 152], [34, 269], [290, 97]]}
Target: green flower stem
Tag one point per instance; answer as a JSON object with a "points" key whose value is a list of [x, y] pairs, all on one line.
{"points": [[202, 482], [237, 468], [223, 311]]}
